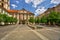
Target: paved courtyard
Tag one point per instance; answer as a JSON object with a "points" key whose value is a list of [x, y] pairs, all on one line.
{"points": [[23, 32], [51, 33], [4, 30]]}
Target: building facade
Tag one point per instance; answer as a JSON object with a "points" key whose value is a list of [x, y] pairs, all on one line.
{"points": [[46, 13], [4, 11], [23, 15], [5, 4], [57, 8]]}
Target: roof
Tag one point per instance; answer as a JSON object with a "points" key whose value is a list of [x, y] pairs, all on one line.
{"points": [[28, 12], [18, 11], [49, 9], [12, 11]]}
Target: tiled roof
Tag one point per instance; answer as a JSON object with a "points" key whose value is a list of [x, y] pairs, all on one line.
{"points": [[17, 11], [12, 11]]}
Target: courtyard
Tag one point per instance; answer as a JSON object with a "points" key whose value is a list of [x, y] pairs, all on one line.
{"points": [[24, 32], [29, 20]]}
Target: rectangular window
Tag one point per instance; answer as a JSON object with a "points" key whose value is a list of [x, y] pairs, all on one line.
{"points": [[5, 0], [25, 16], [0, 3], [5, 6], [0, 0], [28, 16], [3, 11], [0, 10]]}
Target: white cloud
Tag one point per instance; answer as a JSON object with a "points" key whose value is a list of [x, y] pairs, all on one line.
{"points": [[54, 5], [13, 5], [28, 1], [40, 10], [55, 1], [35, 2], [17, 2]]}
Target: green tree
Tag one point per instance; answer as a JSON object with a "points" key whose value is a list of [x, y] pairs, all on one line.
{"points": [[37, 20], [32, 20], [58, 18], [1, 18], [15, 20], [7, 19], [44, 19], [52, 17]]}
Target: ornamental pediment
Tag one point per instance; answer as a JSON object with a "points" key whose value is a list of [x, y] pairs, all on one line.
{"points": [[22, 11]]}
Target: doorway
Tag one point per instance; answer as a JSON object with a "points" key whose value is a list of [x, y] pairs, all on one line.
{"points": [[22, 22]]}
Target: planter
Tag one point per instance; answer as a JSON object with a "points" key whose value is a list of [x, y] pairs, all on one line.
{"points": [[2, 23]]}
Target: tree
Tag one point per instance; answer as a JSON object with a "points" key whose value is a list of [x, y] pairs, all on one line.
{"points": [[58, 19], [12, 20], [32, 20], [7, 19], [37, 20], [1, 18], [15, 20], [53, 18], [44, 19]]}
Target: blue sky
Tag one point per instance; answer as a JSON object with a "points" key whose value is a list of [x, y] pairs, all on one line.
{"points": [[35, 6]]}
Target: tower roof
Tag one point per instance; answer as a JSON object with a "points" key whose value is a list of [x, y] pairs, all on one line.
{"points": [[23, 9]]}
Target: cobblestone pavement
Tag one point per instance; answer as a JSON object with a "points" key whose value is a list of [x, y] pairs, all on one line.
{"points": [[4, 30], [22, 32], [52, 33]]}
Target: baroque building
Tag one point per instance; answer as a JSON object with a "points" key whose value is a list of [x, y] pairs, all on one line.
{"points": [[5, 4], [3, 10], [46, 13], [23, 15]]}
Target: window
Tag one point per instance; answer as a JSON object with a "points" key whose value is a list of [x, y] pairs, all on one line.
{"points": [[6, 6], [21, 11], [58, 8], [21, 16], [0, 0], [25, 16], [28, 17], [0, 3], [0, 9], [3, 11], [25, 12], [5, 0]]}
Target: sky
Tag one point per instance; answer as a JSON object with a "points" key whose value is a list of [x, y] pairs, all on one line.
{"points": [[35, 6]]}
